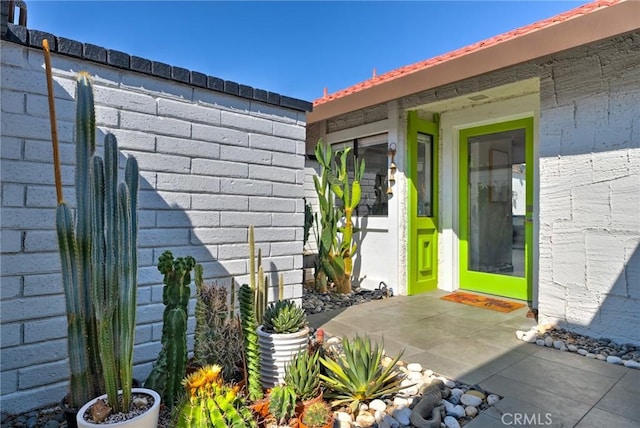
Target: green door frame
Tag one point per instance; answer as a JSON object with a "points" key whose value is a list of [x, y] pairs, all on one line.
{"points": [[501, 285], [422, 241]]}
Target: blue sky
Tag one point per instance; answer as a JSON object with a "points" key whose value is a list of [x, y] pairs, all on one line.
{"points": [[293, 48]]}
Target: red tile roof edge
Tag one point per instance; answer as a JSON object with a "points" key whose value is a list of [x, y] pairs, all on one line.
{"points": [[492, 41]]}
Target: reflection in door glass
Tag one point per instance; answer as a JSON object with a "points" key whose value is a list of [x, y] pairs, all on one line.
{"points": [[497, 195], [424, 181]]}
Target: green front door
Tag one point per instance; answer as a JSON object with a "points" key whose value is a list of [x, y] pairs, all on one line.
{"points": [[496, 208], [422, 174]]}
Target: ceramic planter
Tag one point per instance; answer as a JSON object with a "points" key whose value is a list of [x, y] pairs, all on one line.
{"points": [[149, 419], [277, 351]]}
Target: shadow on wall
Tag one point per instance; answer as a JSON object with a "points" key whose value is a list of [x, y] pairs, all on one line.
{"points": [[179, 210]]}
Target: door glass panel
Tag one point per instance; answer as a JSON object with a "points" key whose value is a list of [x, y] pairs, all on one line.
{"points": [[497, 203], [424, 175]]}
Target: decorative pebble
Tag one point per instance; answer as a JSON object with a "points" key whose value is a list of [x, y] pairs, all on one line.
{"points": [[448, 383], [492, 399], [632, 364], [415, 376], [389, 421], [414, 367], [451, 422], [614, 360], [583, 352], [540, 342], [400, 402], [470, 400], [378, 415], [548, 341], [572, 348], [378, 405], [402, 416], [590, 355], [365, 420], [478, 394], [343, 420], [601, 357], [558, 344], [529, 337], [457, 411], [471, 411]]}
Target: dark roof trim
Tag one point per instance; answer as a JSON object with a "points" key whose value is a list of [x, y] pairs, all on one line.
{"points": [[63, 46]]}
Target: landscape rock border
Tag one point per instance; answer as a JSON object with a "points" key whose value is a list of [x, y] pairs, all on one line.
{"points": [[627, 355]]}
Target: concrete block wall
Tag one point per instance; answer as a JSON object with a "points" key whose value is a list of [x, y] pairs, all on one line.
{"points": [[214, 157], [590, 190]]}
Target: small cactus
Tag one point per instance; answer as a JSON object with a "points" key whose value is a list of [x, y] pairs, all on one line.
{"points": [[317, 415], [210, 402], [284, 316], [171, 365], [282, 403]]}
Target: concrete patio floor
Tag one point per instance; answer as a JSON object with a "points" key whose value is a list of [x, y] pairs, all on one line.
{"points": [[477, 345]]}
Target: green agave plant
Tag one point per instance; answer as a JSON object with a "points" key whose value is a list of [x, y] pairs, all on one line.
{"points": [[358, 375], [284, 316], [303, 374]]}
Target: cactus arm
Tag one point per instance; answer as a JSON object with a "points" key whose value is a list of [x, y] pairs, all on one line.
{"points": [[250, 338], [77, 339], [176, 356], [126, 279]]}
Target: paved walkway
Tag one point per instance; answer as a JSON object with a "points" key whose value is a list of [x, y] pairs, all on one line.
{"points": [[477, 345]]}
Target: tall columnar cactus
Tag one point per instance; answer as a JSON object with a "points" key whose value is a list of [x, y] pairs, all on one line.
{"points": [[99, 264], [337, 250], [258, 282], [250, 337], [170, 367]]}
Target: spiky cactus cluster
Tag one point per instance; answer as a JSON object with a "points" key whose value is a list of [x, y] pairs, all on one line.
{"points": [[99, 263], [212, 403], [170, 367], [250, 337], [218, 337], [282, 403], [317, 415], [284, 316]]}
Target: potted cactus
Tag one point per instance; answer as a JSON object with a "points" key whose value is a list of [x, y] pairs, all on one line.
{"points": [[317, 415], [98, 251], [282, 406], [209, 402], [282, 334]]}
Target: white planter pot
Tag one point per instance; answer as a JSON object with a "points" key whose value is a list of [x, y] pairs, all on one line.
{"points": [[276, 351], [148, 419]]}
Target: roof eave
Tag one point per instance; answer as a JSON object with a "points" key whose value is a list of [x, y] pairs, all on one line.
{"points": [[598, 25]]}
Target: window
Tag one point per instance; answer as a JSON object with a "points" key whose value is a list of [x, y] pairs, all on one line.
{"points": [[373, 149]]}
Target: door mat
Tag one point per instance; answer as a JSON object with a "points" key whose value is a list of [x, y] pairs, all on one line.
{"points": [[483, 301]]}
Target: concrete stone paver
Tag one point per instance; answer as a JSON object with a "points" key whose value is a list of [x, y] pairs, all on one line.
{"points": [[540, 386]]}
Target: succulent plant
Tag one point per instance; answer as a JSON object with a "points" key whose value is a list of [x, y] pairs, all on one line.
{"points": [[303, 374], [171, 365], [358, 374], [284, 316], [250, 340], [99, 262], [218, 334], [282, 403], [317, 415], [209, 402]]}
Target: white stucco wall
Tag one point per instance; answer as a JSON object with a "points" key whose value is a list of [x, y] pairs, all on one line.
{"points": [[590, 191]]}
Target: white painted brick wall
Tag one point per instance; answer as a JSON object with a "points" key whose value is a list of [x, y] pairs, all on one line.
{"points": [[211, 164], [590, 191]]}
